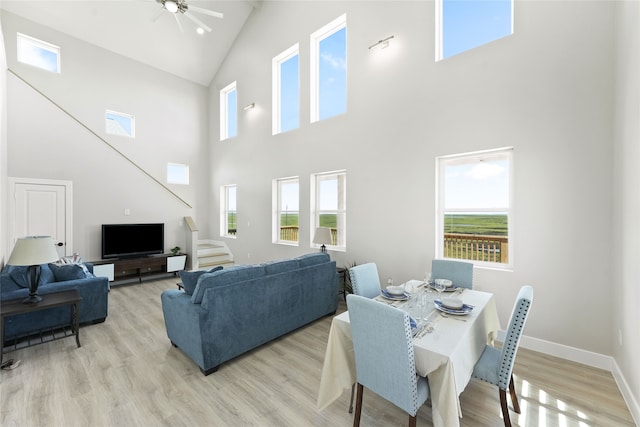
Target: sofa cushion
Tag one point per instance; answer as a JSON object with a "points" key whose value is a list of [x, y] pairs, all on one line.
{"points": [[190, 278], [316, 258], [20, 276], [62, 273], [237, 273], [276, 267]]}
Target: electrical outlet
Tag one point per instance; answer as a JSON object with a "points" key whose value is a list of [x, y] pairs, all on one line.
{"points": [[127, 212], [248, 255]]}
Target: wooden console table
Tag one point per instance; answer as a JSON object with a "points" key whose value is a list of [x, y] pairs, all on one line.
{"points": [[56, 299], [128, 269]]}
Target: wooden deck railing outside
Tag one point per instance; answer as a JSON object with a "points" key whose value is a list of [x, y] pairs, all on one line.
{"points": [[476, 247], [290, 234]]}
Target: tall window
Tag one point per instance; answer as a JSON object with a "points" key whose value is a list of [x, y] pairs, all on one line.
{"points": [[38, 53], [474, 207], [228, 112], [465, 24], [228, 213], [121, 124], [329, 207], [286, 212], [329, 70], [286, 90]]}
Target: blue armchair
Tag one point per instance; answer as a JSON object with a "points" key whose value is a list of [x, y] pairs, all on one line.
{"points": [[383, 349], [495, 366]]}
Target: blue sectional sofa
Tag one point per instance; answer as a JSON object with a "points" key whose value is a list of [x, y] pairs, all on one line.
{"points": [[234, 310], [53, 278]]}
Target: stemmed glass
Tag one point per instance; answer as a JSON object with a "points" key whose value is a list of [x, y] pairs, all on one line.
{"points": [[440, 287]]}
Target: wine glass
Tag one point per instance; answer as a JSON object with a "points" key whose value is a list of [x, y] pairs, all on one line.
{"points": [[439, 286]]}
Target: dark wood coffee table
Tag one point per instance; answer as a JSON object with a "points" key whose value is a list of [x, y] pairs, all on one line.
{"points": [[56, 299]]}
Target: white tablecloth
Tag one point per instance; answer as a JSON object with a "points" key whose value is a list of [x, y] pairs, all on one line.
{"points": [[446, 356]]}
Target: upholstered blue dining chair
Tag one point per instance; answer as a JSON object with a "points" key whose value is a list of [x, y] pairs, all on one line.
{"points": [[365, 280], [495, 365], [459, 272], [383, 349]]}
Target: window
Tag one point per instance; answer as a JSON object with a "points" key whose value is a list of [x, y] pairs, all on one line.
{"points": [[329, 207], [474, 219], [177, 174], [228, 213], [228, 112], [462, 25], [38, 53], [286, 90], [120, 124], [329, 70], [286, 211]]}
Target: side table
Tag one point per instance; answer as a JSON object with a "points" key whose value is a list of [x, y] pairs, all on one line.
{"points": [[56, 299]]}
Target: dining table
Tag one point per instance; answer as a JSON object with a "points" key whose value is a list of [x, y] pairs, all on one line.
{"points": [[445, 348]]}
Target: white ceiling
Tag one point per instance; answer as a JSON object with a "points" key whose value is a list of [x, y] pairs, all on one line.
{"points": [[129, 28]]}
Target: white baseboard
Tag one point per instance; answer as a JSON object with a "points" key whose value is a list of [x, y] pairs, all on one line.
{"points": [[588, 358]]}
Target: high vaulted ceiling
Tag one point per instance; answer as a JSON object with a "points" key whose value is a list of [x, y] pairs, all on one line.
{"points": [[144, 31]]}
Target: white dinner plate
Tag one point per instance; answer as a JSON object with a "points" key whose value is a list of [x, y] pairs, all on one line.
{"points": [[387, 295], [466, 309], [449, 289]]}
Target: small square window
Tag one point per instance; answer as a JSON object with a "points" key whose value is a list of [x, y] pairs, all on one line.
{"points": [[177, 174], [120, 124], [38, 53]]}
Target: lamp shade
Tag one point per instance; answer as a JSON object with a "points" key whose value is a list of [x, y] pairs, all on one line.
{"points": [[323, 236], [33, 250]]}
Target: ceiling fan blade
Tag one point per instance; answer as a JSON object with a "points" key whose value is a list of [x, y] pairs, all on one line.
{"points": [[197, 21], [206, 11], [175, 15]]}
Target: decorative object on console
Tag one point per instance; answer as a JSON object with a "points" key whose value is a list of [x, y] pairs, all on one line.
{"points": [[322, 237], [175, 250], [31, 251]]}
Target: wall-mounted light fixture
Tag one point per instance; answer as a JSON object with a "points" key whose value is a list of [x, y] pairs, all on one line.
{"points": [[380, 44], [249, 107]]}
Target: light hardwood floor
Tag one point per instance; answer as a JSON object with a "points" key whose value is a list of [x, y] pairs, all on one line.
{"points": [[127, 374]]}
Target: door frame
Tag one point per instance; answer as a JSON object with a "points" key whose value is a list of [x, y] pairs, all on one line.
{"points": [[68, 185]]}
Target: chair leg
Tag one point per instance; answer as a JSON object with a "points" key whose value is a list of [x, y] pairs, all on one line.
{"points": [[356, 417], [353, 392], [505, 408], [412, 421], [514, 396]]}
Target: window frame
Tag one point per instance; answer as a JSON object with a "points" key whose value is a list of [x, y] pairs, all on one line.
{"points": [[314, 69], [40, 44], [226, 113], [441, 210], [225, 210], [277, 210], [340, 212], [276, 84]]}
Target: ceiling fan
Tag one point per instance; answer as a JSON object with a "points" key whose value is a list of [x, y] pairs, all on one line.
{"points": [[176, 7]]}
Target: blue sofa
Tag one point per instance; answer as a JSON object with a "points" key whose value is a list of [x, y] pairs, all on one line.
{"points": [[234, 310], [53, 278]]}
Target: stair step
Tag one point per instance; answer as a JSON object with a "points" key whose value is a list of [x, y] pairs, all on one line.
{"points": [[207, 265]]}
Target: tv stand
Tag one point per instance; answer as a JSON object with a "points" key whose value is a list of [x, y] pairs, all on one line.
{"points": [[139, 268]]}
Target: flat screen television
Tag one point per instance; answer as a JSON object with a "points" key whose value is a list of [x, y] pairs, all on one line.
{"points": [[132, 240]]}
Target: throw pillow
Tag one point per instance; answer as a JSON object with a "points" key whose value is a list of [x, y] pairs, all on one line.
{"points": [[20, 275], [62, 273], [190, 278]]}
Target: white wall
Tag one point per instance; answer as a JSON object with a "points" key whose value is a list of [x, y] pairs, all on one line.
{"points": [[626, 230], [546, 90], [3, 150], [43, 142]]}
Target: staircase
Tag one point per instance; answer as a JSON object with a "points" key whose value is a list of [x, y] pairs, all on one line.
{"points": [[211, 254]]}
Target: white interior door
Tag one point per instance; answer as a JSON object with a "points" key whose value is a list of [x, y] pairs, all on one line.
{"points": [[41, 208]]}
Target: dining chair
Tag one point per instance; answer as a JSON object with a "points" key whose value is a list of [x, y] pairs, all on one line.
{"points": [[459, 272], [383, 350], [495, 365], [365, 280]]}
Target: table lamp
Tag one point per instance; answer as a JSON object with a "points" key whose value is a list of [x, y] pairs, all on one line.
{"points": [[31, 251], [323, 237]]}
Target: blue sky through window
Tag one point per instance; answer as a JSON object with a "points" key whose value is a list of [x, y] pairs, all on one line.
{"points": [[290, 94], [38, 53], [328, 194], [289, 196], [333, 75], [232, 113], [119, 124], [481, 185], [467, 24]]}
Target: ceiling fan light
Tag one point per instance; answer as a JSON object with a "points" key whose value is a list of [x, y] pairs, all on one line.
{"points": [[200, 31], [171, 6]]}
